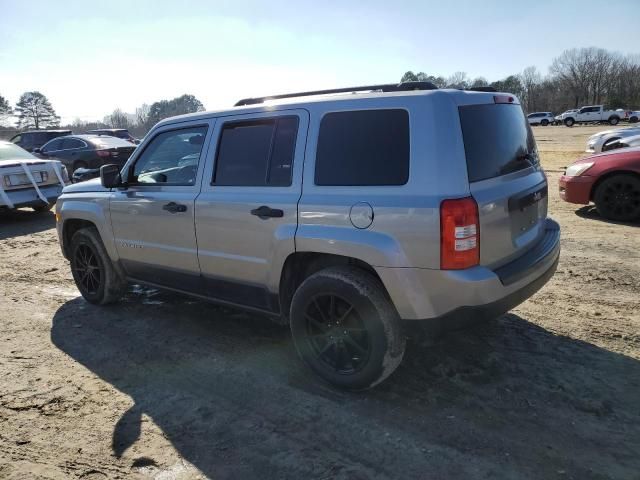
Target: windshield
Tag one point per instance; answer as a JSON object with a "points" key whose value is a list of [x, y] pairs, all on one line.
{"points": [[9, 151], [497, 140]]}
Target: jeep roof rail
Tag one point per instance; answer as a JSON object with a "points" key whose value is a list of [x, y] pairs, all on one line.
{"points": [[388, 87]]}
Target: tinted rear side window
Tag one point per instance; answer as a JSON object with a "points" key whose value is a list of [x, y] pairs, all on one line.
{"points": [[256, 152], [367, 147], [497, 140]]}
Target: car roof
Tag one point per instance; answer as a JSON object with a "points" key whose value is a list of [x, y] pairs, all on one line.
{"points": [[108, 130], [459, 97], [43, 131]]}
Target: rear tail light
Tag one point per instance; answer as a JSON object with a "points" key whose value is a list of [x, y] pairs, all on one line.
{"points": [[103, 153], [503, 99], [459, 234]]}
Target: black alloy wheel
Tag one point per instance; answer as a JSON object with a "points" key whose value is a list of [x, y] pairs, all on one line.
{"points": [[87, 269], [336, 334], [618, 198]]}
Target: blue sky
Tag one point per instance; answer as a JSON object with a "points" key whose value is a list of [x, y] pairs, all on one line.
{"points": [[91, 57]]}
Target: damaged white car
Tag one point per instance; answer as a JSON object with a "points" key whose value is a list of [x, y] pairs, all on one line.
{"points": [[27, 181]]}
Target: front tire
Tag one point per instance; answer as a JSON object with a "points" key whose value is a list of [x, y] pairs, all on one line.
{"points": [[96, 277], [569, 122], [345, 328], [614, 121], [544, 123], [618, 198]]}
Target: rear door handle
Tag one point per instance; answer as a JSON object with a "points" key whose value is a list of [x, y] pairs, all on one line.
{"points": [[267, 212], [173, 207]]}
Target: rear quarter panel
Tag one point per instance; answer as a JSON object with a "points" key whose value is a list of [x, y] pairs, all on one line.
{"points": [[406, 227]]}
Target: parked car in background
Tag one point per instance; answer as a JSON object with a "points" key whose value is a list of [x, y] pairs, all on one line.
{"points": [[122, 133], [87, 151], [601, 141], [611, 180], [540, 118], [26, 181], [626, 142], [634, 116], [593, 114], [559, 119], [340, 216], [37, 138]]}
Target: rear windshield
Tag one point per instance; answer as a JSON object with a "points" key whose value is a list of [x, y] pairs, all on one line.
{"points": [[497, 140], [9, 151]]}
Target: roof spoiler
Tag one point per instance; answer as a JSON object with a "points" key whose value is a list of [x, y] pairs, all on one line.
{"points": [[389, 87]]}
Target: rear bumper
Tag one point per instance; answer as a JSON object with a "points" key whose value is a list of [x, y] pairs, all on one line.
{"points": [[28, 197], [576, 189], [459, 297]]}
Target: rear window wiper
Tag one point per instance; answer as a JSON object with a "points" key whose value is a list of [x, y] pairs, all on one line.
{"points": [[515, 164]]}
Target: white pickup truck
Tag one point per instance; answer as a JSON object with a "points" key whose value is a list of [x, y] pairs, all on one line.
{"points": [[593, 114]]}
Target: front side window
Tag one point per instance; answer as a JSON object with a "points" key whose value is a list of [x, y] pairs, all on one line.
{"points": [[170, 158], [366, 147], [256, 152]]}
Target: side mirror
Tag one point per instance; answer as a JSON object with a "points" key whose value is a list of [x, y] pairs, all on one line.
{"points": [[110, 176], [37, 150]]}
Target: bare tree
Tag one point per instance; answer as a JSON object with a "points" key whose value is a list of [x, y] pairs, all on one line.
{"points": [[458, 80], [118, 119], [142, 114], [5, 111], [35, 111], [530, 80]]}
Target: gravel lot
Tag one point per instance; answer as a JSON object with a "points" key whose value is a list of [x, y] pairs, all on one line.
{"points": [[162, 386]]}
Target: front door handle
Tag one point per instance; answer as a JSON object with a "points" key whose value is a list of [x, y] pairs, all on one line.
{"points": [[267, 212], [173, 207]]}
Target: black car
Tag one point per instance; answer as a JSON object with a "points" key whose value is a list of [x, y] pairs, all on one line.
{"points": [[37, 138], [122, 133], [87, 152]]}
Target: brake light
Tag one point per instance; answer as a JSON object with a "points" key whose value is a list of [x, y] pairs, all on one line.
{"points": [[459, 234], [503, 99], [103, 153]]}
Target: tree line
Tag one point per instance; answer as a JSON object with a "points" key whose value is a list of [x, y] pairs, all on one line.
{"points": [[34, 111], [577, 77]]}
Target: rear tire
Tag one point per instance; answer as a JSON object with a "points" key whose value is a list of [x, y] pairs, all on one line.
{"points": [[618, 198], [633, 120], [99, 281], [345, 328], [569, 122], [43, 208], [614, 120]]}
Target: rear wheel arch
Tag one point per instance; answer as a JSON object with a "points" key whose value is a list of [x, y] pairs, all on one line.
{"points": [[300, 265]]}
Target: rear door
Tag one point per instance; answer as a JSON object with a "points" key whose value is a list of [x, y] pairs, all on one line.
{"points": [[153, 219], [505, 178], [247, 213]]}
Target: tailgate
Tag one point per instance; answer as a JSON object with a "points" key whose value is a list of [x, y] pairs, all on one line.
{"points": [[505, 179]]}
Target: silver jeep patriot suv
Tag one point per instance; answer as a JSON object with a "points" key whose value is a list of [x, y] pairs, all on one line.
{"points": [[344, 213]]}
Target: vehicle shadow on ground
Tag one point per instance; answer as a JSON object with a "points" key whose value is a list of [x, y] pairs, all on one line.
{"points": [[14, 223], [590, 212], [507, 399]]}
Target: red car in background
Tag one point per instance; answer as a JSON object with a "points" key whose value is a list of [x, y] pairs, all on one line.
{"points": [[611, 180]]}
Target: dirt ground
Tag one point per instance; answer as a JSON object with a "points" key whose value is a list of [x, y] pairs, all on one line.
{"points": [[162, 386]]}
